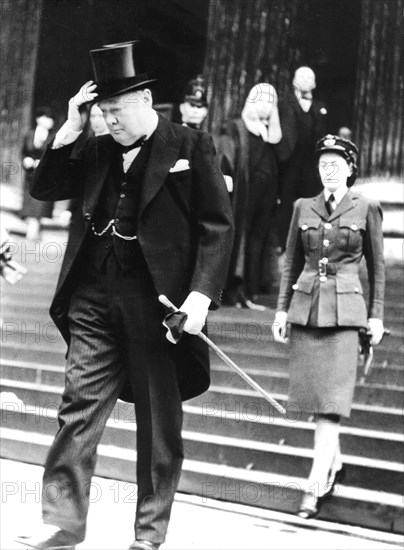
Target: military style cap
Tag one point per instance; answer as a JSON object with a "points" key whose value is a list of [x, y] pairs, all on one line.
{"points": [[339, 145], [195, 92], [343, 147]]}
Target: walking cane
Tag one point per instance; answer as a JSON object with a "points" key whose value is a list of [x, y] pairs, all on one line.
{"points": [[166, 302]]}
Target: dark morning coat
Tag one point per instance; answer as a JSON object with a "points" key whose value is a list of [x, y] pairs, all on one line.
{"points": [[289, 111], [185, 227], [352, 231]]}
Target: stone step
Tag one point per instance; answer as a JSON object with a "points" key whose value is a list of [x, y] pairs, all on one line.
{"points": [[221, 375], [50, 352], [363, 507], [235, 452], [235, 401], [32, 415], [248, 424], [253, 341], [375, 394], [36, 404]]}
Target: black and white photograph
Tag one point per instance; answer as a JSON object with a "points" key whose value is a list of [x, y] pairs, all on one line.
{"points": [[202, 274]]}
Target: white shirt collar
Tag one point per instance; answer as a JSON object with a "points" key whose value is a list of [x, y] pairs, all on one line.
{"points": [[339, 194], [130, 156]]}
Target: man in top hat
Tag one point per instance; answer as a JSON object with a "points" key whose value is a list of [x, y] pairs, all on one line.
{"points": [[194, 106], [303, 121], [157, 221]]}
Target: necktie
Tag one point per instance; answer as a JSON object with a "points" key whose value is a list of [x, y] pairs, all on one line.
{"points": [[330, 204]]}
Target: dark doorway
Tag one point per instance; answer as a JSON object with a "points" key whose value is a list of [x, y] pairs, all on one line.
{"points": [[173, 31], [331, 42]]}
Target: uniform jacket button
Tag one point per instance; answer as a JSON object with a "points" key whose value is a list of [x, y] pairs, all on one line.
{"points": [[323, 279], [326, 243], [354, 227], [87, 216], [295, 286], [356, 289], [304, 227], [327, 225]]}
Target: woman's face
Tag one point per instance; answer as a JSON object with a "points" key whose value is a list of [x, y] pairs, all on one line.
{"points": [[260, 101], [264, 106], [334, 171]]}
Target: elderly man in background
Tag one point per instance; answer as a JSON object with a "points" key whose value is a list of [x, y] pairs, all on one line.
{"points": [[303, 122]]}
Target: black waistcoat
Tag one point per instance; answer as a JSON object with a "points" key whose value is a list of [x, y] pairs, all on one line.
{"points": [[118, 201], [306, 128]]}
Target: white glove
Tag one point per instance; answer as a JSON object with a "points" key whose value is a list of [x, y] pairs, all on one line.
{"points": [[279, 327], [84, 95], [229, 183], [196, 307], [28, 163], [376, 327]]}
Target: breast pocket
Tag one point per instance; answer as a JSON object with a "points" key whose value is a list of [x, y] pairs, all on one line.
{"points": [[351, 234], [310, 231]]}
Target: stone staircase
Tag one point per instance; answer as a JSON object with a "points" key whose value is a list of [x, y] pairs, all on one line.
{"points": [[238, 448]]}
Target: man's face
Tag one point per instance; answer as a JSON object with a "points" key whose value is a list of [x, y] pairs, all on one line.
{"points": [[127, 116], [304, 79], [97, 121], [334, 171], [193, 113]]}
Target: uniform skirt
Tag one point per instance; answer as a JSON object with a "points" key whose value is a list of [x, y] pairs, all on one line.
{"points": [[323, 366]]}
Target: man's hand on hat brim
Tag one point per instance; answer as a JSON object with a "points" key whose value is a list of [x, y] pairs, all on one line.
{"points": [[84, 95]]}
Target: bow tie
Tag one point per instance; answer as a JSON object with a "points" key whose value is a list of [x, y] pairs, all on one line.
{"points": [[138, 143]]}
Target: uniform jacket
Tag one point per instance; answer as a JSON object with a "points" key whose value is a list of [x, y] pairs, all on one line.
{"points": [[289, 110], [185, 227], [341, 239]]}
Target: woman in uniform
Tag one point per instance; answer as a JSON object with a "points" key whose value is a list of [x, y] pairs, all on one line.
{"points": [[321, 297]]}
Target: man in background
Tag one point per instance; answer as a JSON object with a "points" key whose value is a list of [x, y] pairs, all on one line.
{"points": [[303, 121]]}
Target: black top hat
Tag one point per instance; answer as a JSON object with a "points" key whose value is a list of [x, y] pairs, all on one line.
{"points": [[119, 68], [343, 147], [195, 92]]}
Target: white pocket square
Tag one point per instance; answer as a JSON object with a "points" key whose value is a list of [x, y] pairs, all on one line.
{"points": [[180, 166]]}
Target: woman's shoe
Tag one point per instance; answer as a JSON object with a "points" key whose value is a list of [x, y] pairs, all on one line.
{"points": [[310, 506], [339, 477]]}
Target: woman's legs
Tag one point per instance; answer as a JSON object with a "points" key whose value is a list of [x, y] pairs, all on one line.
{"points": [[327, 454], [327, 458]]}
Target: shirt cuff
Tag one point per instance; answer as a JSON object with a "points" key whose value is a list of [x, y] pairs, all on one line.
{"points": [[65, 136]]}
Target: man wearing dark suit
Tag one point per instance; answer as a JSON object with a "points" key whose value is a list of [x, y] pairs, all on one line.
{"points": [[157, 221], [303, 121]]}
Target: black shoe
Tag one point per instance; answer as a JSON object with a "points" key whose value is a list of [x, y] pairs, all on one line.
{"points": [[310, 506], [49, 537], [339, 477], [144, 545]]}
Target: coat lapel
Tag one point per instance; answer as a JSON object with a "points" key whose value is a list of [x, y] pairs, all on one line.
{"points": [[318, 206], [348, 202], [164, 152]]}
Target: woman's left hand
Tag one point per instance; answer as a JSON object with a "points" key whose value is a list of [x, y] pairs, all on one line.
{"points": [[376, 328]]}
